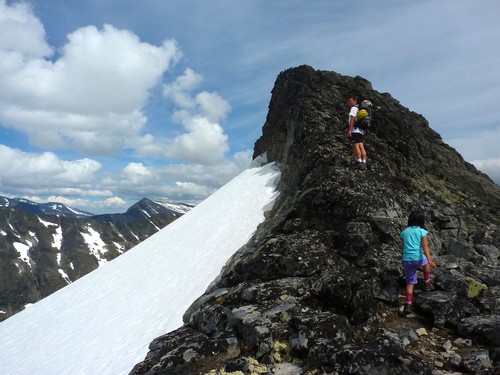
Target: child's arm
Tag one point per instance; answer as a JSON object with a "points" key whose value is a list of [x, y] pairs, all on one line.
{"points": [[425, 247], [352, 120]]}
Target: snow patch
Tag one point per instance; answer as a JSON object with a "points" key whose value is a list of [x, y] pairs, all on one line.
{"points": [[64, 275], [96, 245], [119, 247], [176, 207], [47, 223], [23, 251], [58, 237], [104, 322]]}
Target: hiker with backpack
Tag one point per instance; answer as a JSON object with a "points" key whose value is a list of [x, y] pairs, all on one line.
{"points": [[356, 130], [416, 255]]}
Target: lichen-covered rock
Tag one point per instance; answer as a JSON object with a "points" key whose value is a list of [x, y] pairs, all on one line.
{"points": [[312, 291], [186, 351], [483, 328]]}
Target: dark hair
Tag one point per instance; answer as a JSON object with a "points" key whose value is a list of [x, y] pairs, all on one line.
{"points": [[416, 219]]}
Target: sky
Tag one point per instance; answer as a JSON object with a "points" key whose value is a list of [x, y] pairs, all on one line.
{"points": [[142, 294], [104, 102]]}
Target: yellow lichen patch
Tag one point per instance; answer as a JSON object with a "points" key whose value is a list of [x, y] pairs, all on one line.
{"points": [[221, 299], [223, 372], [255, 367], [474, 287], [281, 351]]}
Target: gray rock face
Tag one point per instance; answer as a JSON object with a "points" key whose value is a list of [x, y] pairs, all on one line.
{"points": [[319, 284]]}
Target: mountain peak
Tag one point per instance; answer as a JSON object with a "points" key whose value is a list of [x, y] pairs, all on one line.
{"points": [[306, 125], [49, 208], [318, 288]]}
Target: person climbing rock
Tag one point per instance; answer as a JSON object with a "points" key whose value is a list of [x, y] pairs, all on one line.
{"points": [[416, 255], [355, 134]]}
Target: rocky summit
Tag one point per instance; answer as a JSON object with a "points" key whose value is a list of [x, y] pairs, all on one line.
{"points": [[319, 288]]}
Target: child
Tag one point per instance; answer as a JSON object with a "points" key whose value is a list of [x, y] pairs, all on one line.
{"points": [[416, 255]]}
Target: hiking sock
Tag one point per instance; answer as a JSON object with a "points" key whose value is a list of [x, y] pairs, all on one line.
{"points": [[359, 160], [409, 298], [427, 276]]}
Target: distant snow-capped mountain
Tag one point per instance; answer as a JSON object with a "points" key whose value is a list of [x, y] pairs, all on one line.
{"points": [[181, 208], [144, 208], [44, 247], [51, 208]]}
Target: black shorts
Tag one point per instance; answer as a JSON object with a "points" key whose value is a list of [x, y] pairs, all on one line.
{"points": [[356, 138]]}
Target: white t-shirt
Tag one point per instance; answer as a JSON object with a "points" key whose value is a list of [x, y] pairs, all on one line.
{"points": [[353, 112]]}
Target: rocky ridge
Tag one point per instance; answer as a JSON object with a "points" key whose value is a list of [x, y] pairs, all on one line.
{"points": [[318, 289]]}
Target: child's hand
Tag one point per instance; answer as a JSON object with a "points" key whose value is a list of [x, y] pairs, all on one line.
{"points": [[432, 264]]}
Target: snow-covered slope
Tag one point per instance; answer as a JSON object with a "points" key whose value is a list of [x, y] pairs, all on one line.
{"points": [[181, 208], [104, 322]]}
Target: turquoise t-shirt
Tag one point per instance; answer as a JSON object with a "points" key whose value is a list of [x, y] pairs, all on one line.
{"points": [[412, 237]]}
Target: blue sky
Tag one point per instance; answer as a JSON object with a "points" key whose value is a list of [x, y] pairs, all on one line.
{"points": [[103, 102]]}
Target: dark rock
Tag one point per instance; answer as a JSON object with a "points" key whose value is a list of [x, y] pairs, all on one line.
{"points": [[445, 307], [490, 300], [185, 351], [348, 291], [477, 361], [491, 252], [309, 328], [316, 284], [483, 328], [377, 357]]}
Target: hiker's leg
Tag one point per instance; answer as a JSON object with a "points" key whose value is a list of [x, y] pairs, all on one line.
{"points": [[409, 293], [357, 150], [410, 271], [427, 272], [362, 151]]}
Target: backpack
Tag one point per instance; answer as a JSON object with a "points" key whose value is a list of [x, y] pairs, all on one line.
{"points": [[363, 118]]}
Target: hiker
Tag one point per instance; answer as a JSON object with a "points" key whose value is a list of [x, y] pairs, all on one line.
{"points": [[356, 134], [416, 255]]}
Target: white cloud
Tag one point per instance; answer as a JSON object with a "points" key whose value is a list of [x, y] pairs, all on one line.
{"points": [[491, 167], [188, 183], [212, 106], [20, 169], [179, 90], [21, 31], [90, 97], [76, 203], [212, 176], [204, 140], [137, 173], [114, 202]]}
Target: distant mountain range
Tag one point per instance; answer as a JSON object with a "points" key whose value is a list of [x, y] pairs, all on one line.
{"points": [[139, 209], [44, 247], [51, 208]]}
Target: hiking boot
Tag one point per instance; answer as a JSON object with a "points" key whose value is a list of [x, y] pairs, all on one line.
{"points": [[429, 286], [408, 309], [360, 166]]}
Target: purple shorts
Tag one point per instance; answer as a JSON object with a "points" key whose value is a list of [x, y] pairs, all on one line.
{"points": [[411, 267]]}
